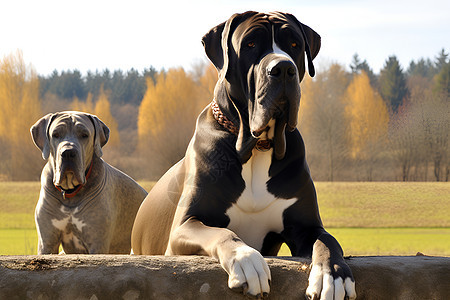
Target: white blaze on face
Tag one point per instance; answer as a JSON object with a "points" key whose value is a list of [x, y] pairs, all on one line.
{"points": [[277, 50]]}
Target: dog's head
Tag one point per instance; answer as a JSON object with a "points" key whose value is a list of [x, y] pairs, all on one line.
{"points": [[69, 140], [260, 59]]}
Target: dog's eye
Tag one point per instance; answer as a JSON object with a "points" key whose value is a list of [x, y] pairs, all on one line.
{"points": [[251, 44], [294, 45], [84, 135], [55, 135]]}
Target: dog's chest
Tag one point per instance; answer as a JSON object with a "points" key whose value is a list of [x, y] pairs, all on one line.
{"points": [[70, 227], [257, 212]]}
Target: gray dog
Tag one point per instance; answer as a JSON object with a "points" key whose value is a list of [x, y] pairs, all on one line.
{"points": [[85, 204]]}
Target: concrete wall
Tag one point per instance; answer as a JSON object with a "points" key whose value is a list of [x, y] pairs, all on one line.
{"points": [[193, 277]]}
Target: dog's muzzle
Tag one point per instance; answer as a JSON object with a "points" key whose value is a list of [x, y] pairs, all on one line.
{"points": [[277, 97], [69, 167]]}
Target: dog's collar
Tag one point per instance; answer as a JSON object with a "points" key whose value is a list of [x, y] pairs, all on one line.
{"points": [[261, 145], [222, 119], [65, 193]]}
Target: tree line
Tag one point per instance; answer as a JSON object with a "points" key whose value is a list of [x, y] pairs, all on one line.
{"points": [[357, 125]]}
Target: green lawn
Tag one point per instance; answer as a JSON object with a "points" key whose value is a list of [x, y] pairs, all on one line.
{"points": [[370, 218], [18, 241], [384, 204], [354, 241]]}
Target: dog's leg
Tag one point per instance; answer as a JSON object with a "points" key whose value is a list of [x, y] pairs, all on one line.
{"points": [[247, 270], [330, 277], [48, 241]]}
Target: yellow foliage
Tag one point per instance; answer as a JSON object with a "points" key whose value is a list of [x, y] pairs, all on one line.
{"points": [[367, 115], [169, 103], [208, 82], [87, 106], [20, 107], [306, 104], [320, 103], [167, 115], [103, 111]]}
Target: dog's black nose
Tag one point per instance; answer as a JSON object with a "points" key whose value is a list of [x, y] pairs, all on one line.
{"points": [[69, 154], [283, 69]]}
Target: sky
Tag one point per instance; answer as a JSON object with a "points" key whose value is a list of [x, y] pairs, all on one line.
{"points": [[109, 34]]}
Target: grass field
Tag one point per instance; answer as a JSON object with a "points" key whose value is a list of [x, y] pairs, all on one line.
{"points": [[370, 218]]}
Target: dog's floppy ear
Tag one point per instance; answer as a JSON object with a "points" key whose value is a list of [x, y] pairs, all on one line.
{"points": [[216, 41], [39, 134], [212, 42], [313, 43], [101, 134]]}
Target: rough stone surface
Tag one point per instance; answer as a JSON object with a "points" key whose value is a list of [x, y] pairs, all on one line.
{"points": [[195, 277]]}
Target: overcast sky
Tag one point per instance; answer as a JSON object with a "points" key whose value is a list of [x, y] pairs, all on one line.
{"points": [[99, 34]]}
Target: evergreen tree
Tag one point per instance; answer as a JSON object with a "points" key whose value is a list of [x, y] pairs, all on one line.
{"points": [[423, 68], [392, 83], [356, 62], [441, 60], [442, 85], [357, 66]]}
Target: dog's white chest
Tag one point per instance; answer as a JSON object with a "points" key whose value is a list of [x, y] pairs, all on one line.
{"points": [[257, 212]]}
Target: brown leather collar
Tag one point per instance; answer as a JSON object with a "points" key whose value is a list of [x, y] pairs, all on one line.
{"points": [[222, 119]]}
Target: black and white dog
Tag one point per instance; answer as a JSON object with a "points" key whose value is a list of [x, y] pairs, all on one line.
{"points": [[244, 186]]}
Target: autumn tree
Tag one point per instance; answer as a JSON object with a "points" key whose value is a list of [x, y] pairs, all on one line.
{"points": [[368, 122], [207, 83], [20, 108], [167, 117], [103, 111], [87, 106], [403, 141], [322, 121]]}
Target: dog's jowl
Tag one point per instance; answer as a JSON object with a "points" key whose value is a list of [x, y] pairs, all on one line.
{"points": [[244, 187], [85, 205]]}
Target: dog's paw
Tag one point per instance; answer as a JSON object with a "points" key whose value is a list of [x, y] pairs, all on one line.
{"points": [[324, 284], [249, 273]]}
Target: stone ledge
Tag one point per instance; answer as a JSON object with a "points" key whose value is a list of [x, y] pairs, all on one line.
{"points": [[196, 277]]}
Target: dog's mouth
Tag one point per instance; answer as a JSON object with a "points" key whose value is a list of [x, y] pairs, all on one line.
{"points": [[262, 121], [273, 118], [68, 180]]}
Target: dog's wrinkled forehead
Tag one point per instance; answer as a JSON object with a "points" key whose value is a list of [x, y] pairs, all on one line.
{"points": [[257, 23], [66, 122], [264, 28]]}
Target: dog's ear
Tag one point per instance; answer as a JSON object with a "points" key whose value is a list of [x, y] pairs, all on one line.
{"points": [[39, 134], [212, 42], [313, 43], [101, 134], [216, 41]]}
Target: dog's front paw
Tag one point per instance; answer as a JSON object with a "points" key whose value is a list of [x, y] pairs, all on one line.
{"points": [[330, 282], [248, 272]]}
